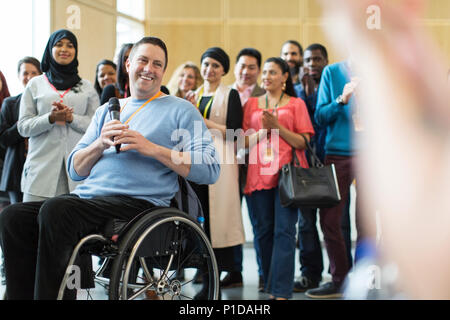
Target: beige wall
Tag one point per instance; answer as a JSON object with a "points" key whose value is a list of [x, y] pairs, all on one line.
{"points": [[437, 22], [97, 33], [190, 27]]}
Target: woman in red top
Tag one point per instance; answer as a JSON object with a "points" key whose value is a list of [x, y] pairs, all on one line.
{"points": [[273, 124]]}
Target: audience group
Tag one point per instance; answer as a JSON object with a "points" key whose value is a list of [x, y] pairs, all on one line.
{"points": [[300, 98]]}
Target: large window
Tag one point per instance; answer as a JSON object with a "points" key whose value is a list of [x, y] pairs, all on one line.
{"points": [[135, 8], [128, 31], [25, 26], [130, 21]]}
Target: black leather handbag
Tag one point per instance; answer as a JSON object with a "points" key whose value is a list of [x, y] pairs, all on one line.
{"points": [[315, 187]]}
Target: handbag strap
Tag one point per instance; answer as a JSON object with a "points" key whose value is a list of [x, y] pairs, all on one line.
{"points": [[294, 158], [317, 162]]}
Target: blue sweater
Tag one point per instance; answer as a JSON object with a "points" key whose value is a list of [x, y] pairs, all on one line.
{"points": [[318, 140], [130, 173], [337, 118]]}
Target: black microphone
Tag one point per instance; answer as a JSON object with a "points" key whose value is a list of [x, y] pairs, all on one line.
{"points": [[114, 111]]}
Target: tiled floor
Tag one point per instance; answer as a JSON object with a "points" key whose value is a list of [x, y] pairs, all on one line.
{"points": [[250, 289], [250, 275]]}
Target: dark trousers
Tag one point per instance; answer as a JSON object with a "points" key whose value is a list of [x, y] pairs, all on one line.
{"points": [[346, 231], [37, 239], [238, 253], [310, 255], [331, 219], [15, 196]]}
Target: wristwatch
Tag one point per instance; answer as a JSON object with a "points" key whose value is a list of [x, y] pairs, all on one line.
{"points": [[340, 100]]}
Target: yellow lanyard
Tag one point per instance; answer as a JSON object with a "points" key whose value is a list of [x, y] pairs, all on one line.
{"points": [[208, 106], [146, 103]]}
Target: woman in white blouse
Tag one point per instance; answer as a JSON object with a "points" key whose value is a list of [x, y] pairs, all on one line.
{"points": [[55, 111]]}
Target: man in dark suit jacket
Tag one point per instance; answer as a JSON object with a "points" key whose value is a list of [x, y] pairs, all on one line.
{"points": [[10, 138], [246, 71]]}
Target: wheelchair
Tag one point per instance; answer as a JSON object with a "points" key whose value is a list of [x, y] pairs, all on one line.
{"points": [[142, 257]]}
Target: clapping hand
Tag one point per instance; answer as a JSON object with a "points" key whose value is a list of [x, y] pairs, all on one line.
{"points": [[307, 81], [190, 96], [349, 90], [270, 120], [61, 113]]}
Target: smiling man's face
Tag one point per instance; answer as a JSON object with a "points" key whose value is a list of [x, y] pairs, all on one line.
{"points": [[146, 70]]}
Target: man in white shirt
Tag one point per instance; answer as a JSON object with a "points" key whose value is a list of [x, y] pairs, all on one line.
{"points": [[246, 71]]}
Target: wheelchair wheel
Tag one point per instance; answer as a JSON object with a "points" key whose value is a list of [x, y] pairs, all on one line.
{"points": [[162, 244]]}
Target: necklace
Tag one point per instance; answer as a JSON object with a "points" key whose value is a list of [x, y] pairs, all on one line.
{"points": [[269, 154], [278, 103]]}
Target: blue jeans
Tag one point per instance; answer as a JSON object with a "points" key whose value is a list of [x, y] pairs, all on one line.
{"points": [[275, 235]]}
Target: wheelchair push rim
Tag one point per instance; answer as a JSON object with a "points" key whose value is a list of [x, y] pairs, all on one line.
{"points": [[166, 286]]}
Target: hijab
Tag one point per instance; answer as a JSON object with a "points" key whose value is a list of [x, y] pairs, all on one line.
{"points": [[62, 77]]}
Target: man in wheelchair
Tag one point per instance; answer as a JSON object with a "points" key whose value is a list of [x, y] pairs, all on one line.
{"points": [[37, 238]]}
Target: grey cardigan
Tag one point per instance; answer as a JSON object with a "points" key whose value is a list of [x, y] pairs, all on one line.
{"points": [[50, 144]]}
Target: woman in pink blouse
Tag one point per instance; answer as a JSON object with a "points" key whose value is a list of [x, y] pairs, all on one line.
{"points": [[273, 124]]}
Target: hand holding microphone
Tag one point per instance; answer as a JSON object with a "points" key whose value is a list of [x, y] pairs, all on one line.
{"points": [[118, 134], [114, 110]]}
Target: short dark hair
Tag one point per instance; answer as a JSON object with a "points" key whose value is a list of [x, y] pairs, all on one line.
{"points": [[252, 52], [154, 41], [318, 46], [31, 60], [295, 43]]}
